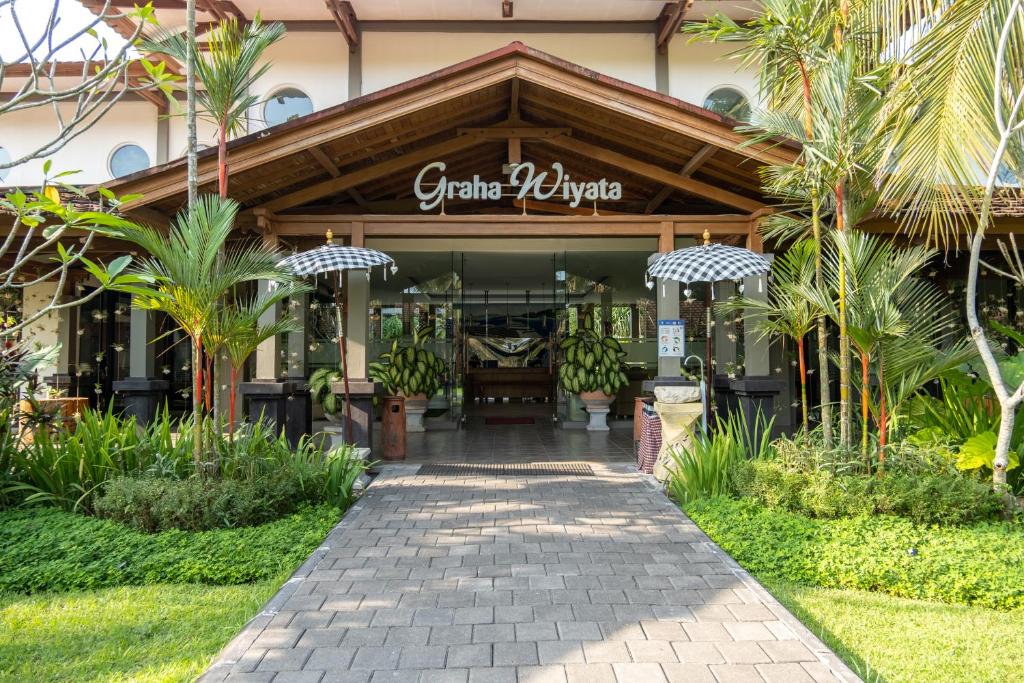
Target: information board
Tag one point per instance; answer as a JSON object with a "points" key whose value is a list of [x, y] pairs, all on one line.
{"points": [[671, 338]]}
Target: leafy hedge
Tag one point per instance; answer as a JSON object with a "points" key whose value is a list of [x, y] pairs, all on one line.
{"points": [[921, 498], [976, 565], [51, 550]]}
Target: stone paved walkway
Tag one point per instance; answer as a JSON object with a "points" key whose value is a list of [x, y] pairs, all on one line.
{"points": [[529, 579]]}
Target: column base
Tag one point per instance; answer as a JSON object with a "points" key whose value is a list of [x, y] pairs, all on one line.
{"points": [[143, 397], [361, 393], [756, 396], [287, 405]]}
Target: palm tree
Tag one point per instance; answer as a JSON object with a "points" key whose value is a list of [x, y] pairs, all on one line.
{"points": [[239, 330], [785, 41], [228, 72], [194, 272], [787, 312]]}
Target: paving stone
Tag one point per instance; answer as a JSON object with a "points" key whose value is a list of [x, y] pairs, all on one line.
{"points": [[542, 630], [298, 677], [698, 653], [579, 630], [638, 673], [787, 651], [599, 652], [422, 657], [254, 677], [375, 658], [651, 651], [505, 674], [736, 673], [469, 655], [494, 579], [284, 659], [515, 654], [784, 673], [444, 676], [541, 674], [560, 652], [589, 673], [688, 673]]}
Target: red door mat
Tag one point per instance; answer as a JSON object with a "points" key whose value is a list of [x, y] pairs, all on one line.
{"points": [[508, 421]]}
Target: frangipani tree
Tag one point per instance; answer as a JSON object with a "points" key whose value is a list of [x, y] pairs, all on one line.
{"points": [[786, 312]]}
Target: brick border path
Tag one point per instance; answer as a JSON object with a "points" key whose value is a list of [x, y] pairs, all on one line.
{"points": [[530, 579]]}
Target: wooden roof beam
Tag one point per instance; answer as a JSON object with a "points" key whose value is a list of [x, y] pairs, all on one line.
{"points": [[662, 175], [214, 8], [670, 21], [344, 16], [507, 9], [377, 170], [522, 132], [695, 162], [126, 28]]}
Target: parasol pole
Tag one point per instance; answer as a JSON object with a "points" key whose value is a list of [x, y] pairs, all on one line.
{"points": [[709, 371], [339, 308]]}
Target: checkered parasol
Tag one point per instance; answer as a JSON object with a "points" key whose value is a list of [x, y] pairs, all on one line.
{"points": [[709, 263], [332, 257]]}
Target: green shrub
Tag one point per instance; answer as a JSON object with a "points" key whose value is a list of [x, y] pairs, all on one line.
{"points": [[52, 550], [198, 504], [976, 565], [925, 499], [708, 466]]}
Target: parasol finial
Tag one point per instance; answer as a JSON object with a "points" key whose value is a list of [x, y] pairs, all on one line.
{"points": [[707, 237], [330, 237]]}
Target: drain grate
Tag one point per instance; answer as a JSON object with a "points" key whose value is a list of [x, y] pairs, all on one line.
{"points": [[576, 469]]}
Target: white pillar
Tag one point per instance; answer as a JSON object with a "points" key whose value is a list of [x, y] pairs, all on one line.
{"points": [[725, 348], [268, 354], [756, 349], [141, 354], [54, 327], [668, 309], [297, 340], [357, 324]]}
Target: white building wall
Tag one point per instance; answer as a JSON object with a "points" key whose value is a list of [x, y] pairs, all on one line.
{"points": [[695, 69], [318, 64], [24, 131], [315, 63], [390, 58]]}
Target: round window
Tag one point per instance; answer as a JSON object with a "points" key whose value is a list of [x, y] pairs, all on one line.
{"points": [[128, 159], [286, 105], [728, 102], [5, 158]]}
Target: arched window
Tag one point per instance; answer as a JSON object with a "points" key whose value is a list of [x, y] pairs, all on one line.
{"points": [[285, 105], [128, 159], [728, 102], [5, 158]]}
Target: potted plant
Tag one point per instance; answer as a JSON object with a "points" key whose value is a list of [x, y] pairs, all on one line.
{"points": [[593, 368], [320, 383], [413, 372]]}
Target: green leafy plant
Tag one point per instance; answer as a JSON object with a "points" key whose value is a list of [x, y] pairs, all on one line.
{"points": [[982, 564], [706, 468], [592, 362], [321, 384], [411, 370], [53, 550], [979, 452]]}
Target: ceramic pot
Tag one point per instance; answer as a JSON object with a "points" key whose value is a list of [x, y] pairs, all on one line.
{"points": [[415, 409], [598, 405]]}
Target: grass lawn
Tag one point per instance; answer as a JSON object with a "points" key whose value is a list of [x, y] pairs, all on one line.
{"points": [[897, 640], [148, 633]]}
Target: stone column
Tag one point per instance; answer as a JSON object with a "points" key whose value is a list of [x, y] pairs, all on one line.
{"points": [[724, 347], [361, 388], [55, 327], [297, 340], [142, 391], [285, 402]]}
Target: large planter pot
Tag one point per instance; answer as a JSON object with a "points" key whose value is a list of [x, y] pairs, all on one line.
{"points": [[415, 409], [598, 405]]}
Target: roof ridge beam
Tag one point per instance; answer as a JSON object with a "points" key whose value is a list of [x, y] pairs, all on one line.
{"points": [[670, 21], [344, 16]]}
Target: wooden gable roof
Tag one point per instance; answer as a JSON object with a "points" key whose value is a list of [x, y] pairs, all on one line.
{"points": [[361, 156]]}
